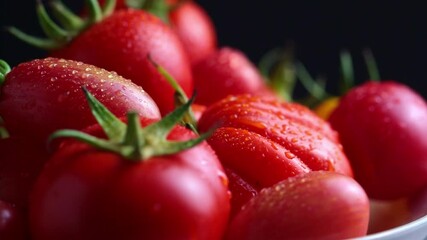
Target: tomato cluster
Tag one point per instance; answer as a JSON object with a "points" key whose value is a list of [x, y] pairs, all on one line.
{"points": [[99, 139]]}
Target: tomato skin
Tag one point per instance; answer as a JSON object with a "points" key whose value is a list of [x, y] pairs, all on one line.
{"points": [[193, 26], [383, 131], [124, 48], [195, 29], [44, 95], [224, 72], [12, 223], [262, 141], [84, 193], [315, 205], [21, 162]]}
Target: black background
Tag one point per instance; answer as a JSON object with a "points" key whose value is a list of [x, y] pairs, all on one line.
{"points": [[396, 32]]}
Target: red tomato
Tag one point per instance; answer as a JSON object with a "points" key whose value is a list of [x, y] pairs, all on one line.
{"points": [[44, 95], [192, 24], [122, 42], [417, 205], [315, 205], [12, 223], [85, 193], [225, 72], [261, 141], [382, 126], [195, 29], [21, 162]]}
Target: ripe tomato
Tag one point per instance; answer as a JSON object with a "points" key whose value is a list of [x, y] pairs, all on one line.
{"points": [[195, 29], [189, 20], [84, 193], [315, 205], [44, 95], [21, 162], [383, 130], [149, 183], [261, 141], [12, 223], [417, 205], [119, 41], [226, 71], [124, 48]]}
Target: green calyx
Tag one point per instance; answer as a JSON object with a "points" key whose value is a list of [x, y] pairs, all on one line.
{"points": [[130, 140], [283, 72], [316, 87], [278, 68], [4, 70], [70, 24], [180, 97], [160, 8]]}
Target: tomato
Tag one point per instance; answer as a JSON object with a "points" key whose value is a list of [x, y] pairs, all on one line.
{"points": [[123, 48], [21, 162], [383, 130], [417, 204], [189, 20], [195, 29], [151, 188], [225, 72], [119, 41], [12, 223], [261, 141], [315, 205], [44, 95]]}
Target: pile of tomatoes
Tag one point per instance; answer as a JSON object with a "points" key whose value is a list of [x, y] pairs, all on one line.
{"points": [[137, 125]]}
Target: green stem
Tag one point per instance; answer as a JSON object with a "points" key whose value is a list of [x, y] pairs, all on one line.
{"points": [[347, 72], [50, 28], [66, 17], [181, 97], [133, 138], [313, 87], [112, 126], [86, 138], [278, 67], [95, 11], [42, 43], [108, 7], [371, 65]]}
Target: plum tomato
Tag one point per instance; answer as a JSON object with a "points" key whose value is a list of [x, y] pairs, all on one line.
{"points": [[261, 141], [43, 95], [314, 205], [383, 129]]}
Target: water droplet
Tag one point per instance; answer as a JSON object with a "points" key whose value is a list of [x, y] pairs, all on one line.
{"points": [[289, 155], [223, 178]]}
